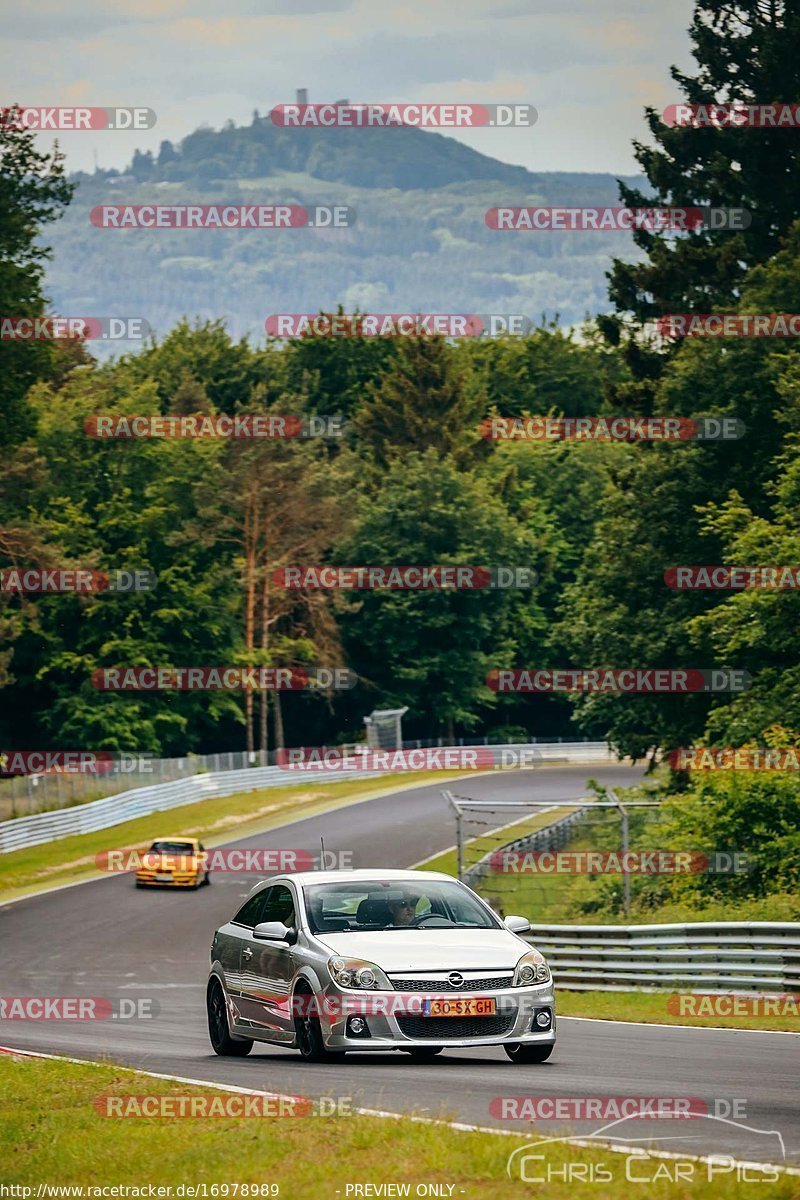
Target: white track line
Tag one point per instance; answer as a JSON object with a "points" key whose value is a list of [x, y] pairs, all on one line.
{"points": [[666, 1025], [499, 829], [615, 1148]]}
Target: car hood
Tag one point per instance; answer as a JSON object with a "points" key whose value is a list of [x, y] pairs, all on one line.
{"points": [[431, 950]]}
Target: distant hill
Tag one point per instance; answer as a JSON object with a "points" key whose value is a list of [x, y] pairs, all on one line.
{"points": [[420, 242], [404, 158]]}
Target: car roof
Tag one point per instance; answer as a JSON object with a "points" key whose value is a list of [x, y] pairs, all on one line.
{"points": [[175, 837], [363, 876]]}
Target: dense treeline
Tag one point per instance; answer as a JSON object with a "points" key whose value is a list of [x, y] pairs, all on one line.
{"points": [[412, 481]]}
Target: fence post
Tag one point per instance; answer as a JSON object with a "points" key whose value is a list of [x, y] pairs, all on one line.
{"points": [[626, 879]]}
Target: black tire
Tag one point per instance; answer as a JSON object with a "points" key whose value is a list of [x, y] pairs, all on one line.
{"points": [[423, 1054], [207, 879], [218, 1029], [520, 1052], [309, 1034]]}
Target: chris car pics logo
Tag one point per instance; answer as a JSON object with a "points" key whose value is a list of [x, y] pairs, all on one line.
{"points": [[632, 1162]]}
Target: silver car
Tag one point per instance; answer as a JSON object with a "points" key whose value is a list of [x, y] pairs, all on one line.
{"points": [[330, 961]]}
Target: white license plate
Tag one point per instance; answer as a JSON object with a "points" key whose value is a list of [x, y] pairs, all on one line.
{"points": [[163, 879]]}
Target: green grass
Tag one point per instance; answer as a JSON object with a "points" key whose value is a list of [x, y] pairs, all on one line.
{"points": [[216, 821], [51, 1132], [651, 1007]]}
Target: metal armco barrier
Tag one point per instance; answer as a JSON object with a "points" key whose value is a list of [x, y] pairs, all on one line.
{"points": [[549, 837], [140, 802], [704, 955]]}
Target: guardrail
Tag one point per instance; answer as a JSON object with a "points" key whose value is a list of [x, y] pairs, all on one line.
{"points": [[730, 955], [139, 802], [548, 837], [27, 794]]}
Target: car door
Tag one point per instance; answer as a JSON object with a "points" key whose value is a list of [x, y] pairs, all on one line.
{"points": [[229, 942], [267, 969]]}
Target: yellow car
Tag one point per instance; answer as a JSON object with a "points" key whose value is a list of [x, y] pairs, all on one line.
{"points": [[174, 862]]}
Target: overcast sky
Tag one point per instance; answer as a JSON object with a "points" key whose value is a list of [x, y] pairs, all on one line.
{"points": [[588, 66]]}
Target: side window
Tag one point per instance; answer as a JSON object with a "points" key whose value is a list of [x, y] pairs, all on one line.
{"points": [[279, 905], [250, 912]]}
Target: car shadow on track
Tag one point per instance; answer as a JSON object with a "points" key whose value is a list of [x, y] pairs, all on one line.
{"points": [[366, 1060]]}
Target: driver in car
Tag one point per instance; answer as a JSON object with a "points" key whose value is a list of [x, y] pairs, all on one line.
{"points": [[403, 910]]}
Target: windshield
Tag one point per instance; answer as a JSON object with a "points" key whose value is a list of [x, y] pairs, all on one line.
{"points": [[172, 848], [384, 905]]}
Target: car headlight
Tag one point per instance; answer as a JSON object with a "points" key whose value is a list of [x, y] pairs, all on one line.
{"points": [[531, 969], [359, 974]]}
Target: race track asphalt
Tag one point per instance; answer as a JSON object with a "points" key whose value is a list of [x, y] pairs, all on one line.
{"points": [[105, 938]]}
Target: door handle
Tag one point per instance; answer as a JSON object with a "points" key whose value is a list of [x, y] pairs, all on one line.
{"points": [[247, 953]]}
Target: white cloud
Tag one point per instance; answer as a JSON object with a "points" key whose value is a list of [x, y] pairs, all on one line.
{"points": [[587, 68]]}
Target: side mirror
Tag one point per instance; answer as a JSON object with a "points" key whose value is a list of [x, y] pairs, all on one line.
{"points": [[274, 931], [517, 924]]}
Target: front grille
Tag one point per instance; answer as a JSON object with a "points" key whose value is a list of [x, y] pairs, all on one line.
{"points": [[487, 983], [439, 1029]]}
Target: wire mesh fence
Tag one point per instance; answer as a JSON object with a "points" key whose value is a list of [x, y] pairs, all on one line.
{"points": [[572, 858]]}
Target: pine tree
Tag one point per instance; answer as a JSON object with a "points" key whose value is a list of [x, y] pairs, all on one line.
{"points": [[33, 191], [747, 51]]}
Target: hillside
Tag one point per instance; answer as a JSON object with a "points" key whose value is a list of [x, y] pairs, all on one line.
{"points": [[419, 243]]}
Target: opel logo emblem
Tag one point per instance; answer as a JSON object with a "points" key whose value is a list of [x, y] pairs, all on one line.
{"points": [[455, 979]]}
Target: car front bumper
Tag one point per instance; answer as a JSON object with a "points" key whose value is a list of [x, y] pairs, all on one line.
{"points": [[148, 879], [395, 1020]]}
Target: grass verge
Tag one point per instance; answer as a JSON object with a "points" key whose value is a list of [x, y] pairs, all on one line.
{"points": [[651, 1007], [51, 1133], [216, 821]]}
